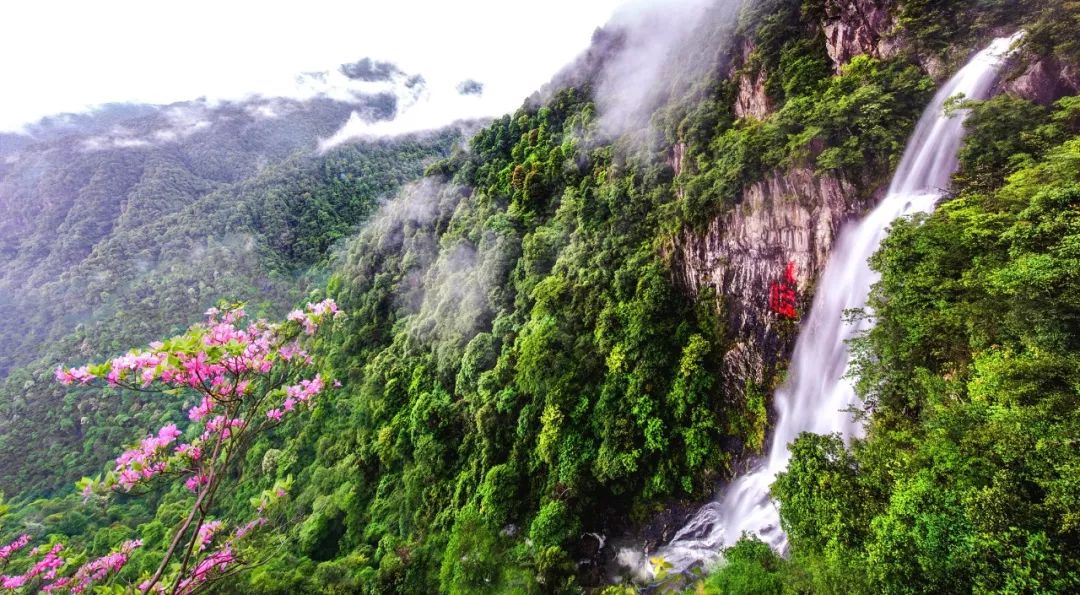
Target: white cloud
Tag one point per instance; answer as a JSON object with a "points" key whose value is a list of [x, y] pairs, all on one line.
{"points": [[438, 104], [67, 56]]}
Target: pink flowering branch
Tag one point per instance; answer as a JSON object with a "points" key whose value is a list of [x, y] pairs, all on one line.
{"points": [[9, 549], [46, 568], [246, 379]]}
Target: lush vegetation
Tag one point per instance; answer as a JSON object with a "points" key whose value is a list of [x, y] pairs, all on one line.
{"points": [[520, 370], [967, 480]]}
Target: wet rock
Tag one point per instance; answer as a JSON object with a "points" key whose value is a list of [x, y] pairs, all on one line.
{"points": [[789, 218]]}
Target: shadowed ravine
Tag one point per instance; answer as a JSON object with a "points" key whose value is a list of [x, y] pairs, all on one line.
{"points": [[818, 394]]}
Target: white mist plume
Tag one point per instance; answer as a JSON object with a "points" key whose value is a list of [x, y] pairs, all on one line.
{"points": [[446, 289], [656, 52], [402, 225], [458, 292]]}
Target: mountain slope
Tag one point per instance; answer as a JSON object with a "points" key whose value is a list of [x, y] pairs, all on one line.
{"points": [[577, 319], [123, 225]]}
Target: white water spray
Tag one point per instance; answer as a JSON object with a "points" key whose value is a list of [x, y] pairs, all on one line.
{"points": [[817, 393]]}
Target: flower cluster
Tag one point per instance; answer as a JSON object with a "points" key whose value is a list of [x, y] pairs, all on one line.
{"points": [[209, 355], [301, 393], [144, 461], [196, 481], [292, 351], [70, 376], [95, 570], [206, 569], [14, 546], [222, 361], [245, 529], [223, 426], [46, 568], [219, 560], [207, 532], [315, 312]]}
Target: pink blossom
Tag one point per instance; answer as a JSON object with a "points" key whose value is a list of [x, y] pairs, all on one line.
{"points": [[219, 561], [274, 414], [224, 427], [307, 389], [327, 306], [292, 350], [129, 478], [201, 410], [234, 315], [72, 375], [195, 481], [14, 546], [96, 570], [168, 434], [64, 376], [59, 584], [190, 450], [46, 568], [12, 582], [207, 532]]}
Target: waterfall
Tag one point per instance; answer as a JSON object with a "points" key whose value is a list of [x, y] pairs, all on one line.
{"points": [[817, 393]]}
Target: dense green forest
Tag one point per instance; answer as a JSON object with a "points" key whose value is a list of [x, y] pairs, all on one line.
{"points": [[521, 369]]}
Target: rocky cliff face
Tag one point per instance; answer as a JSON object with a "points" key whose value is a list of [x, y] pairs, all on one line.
{"points": [[854, 27], [1043, 79], [783, 226], [791, 218], [753, 99]]}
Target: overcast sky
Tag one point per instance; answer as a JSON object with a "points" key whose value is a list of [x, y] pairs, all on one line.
{"points": [[65, 56]]}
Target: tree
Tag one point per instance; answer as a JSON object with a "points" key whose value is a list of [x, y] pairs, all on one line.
{"points": [[246, 380]]}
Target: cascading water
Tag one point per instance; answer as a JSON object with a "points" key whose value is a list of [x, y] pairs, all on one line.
{"points": [[817, 394]]}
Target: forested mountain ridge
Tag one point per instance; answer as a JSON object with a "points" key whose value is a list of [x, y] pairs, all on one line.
{"points": [[581, 317], [80, 177]]}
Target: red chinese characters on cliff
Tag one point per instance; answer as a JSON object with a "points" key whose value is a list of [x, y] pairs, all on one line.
{"points": [[784, 294]]}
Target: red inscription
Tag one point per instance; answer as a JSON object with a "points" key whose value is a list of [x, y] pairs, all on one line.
{"points": [[784, 295]]}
